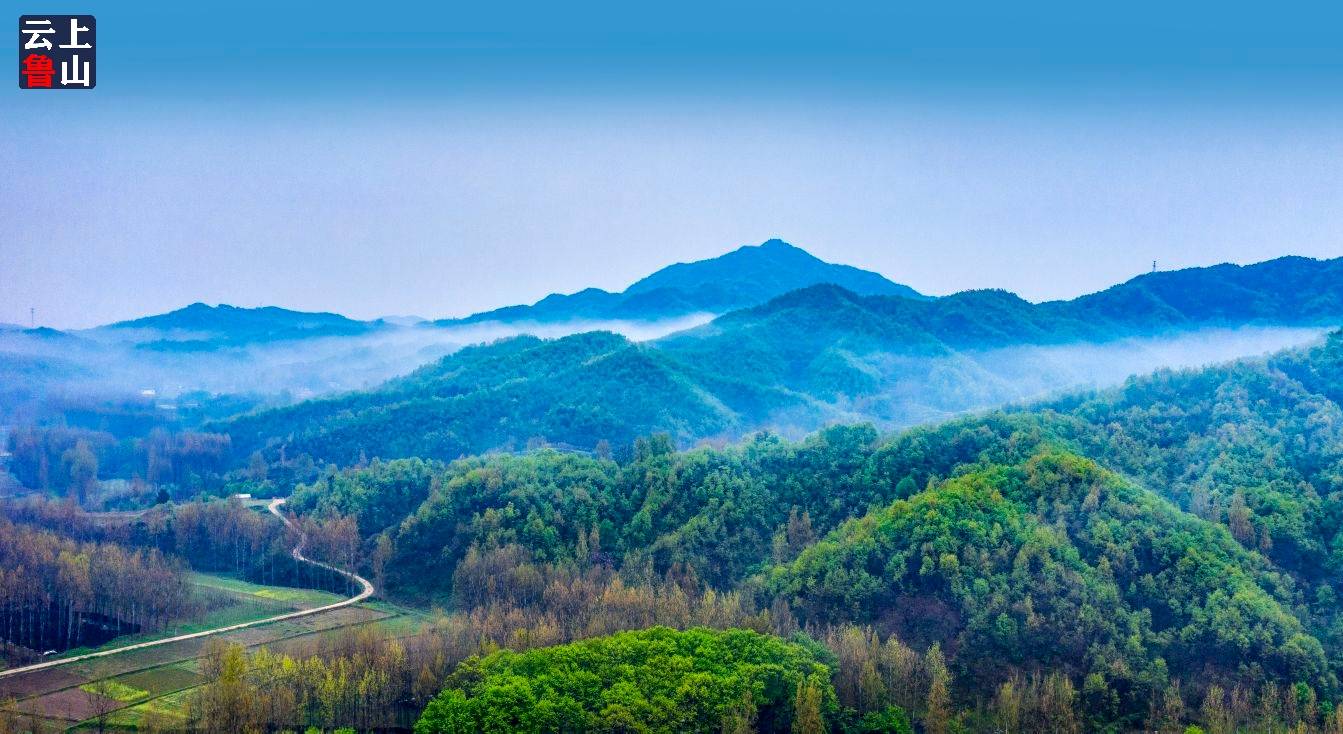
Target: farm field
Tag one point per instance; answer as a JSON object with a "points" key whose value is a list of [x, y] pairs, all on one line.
{"points": [[281, 597], [150, 686], [228, 601]]}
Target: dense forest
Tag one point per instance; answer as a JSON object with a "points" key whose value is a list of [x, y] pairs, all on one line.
{"points": [[655, 680], [1056, 565], [1155, 555], [1147, 550]]}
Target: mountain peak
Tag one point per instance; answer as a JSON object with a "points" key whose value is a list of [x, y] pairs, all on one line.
{"points": [[744, 277], [773, 249], [754, 274]]}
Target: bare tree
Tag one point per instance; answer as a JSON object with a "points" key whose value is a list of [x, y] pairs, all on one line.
{"points": [[101, 702]]}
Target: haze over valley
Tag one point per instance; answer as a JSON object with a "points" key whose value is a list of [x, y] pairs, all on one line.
{"points": [[826, 343], [673, 368], [761, 459]]}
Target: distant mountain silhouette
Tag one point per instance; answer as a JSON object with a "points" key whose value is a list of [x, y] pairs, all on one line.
{"points": [[809, 356], [744, 277], [201, 326], [1288, 289], [1293, 291]]}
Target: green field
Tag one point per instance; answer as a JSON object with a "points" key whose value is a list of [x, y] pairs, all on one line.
{"points": [[153, 690], [115, 689], [152, 687], [170, 687], [230, 601], [158, 681], [169, 708], [287, 596]]}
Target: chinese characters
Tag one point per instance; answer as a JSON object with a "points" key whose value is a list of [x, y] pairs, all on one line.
{"points": [[57, 52]]}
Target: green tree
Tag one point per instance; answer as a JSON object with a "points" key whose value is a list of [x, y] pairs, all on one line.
{"points": [[656, 680]]}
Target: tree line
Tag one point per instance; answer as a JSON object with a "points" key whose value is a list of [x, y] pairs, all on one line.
{"points": [[60, 593], [69, 462], [879, 683]]}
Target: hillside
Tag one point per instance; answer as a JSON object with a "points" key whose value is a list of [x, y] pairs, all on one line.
{"points": [[276, 354], [1173, 540], [1184, 527], [268, 354], [579, 390], [813, 355], [1059, 564], [1290, 291], [744, 277], [1277, 475]]}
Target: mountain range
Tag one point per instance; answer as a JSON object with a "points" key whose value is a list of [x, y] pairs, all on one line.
{"points": [[748, 279], [815, 342], [744, 277], [1163, 550], [277, 354], [810, 356]]}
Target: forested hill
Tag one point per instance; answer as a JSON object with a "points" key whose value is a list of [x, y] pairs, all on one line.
{"points": [[1285, 290], [744, 277], [1292, 291], [1168, 551], [579, 390], [813, 355]]}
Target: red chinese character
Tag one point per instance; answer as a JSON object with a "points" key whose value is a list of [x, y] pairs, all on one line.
{"points": [[39, 70]]}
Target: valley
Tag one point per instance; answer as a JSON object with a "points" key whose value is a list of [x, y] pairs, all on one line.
{"points": [[1117, 512], [654, 368]]}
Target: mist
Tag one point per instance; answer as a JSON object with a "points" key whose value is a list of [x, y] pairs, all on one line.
{"points": [[51, 376], [915, 390], [164, 365], [633, 330]]}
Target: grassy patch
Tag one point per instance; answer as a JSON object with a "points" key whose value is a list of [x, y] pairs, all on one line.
{"points": [[299, 597], [388, 607], [115, 689], [400, 625], [159, 681], [283, 595], [170, 709]]}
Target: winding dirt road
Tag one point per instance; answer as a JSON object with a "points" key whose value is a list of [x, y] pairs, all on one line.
{"points": [[274, 507]]}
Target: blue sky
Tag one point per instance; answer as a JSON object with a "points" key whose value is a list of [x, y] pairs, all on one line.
{"points": [[447, 159]]}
